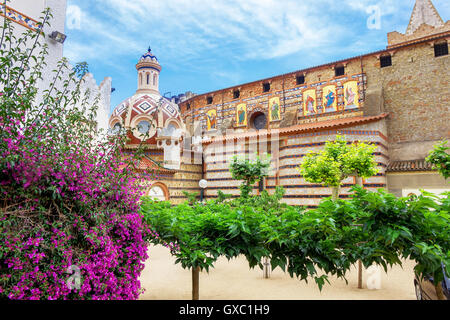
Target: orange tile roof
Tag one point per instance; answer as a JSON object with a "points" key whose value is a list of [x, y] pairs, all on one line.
{"points": [[147, 164], [409, 165], [318, 126]]}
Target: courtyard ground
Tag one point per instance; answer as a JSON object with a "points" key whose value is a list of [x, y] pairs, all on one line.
{"points": [[234, 280]]}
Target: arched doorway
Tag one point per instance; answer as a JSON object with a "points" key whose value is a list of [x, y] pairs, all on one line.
{"points": [[159, 192]]}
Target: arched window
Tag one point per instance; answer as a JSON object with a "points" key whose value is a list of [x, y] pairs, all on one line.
{"points": [[148, 78], [116, 128], [157, 193], [144, 127], [171, 128], [154, 79], [140, 78]]}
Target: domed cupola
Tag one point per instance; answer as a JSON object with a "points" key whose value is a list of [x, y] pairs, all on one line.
{"points": [[148, 69]]}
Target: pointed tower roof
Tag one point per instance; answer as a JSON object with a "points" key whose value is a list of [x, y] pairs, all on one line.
{"points": [[149, 57], [424, 13]]}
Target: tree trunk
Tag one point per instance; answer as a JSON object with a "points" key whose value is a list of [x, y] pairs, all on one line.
{"points": [[195, 283], [266, 268], [360, 285], [439, 291], [358, 181], [335, 193]]}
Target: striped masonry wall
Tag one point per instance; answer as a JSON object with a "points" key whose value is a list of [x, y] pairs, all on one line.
{"points": [[284, 173]]}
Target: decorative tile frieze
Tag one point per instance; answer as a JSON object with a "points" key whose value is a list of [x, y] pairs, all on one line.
{"points": [[20, 18]]}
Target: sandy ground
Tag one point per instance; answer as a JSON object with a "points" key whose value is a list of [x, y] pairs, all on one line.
{"points": [[233, 280]]}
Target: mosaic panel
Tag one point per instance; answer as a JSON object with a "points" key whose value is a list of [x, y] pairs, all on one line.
{"points": [[20, 18]]}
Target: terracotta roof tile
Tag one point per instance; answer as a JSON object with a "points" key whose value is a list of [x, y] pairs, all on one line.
{"points": [[409, 165], [147, 164]]}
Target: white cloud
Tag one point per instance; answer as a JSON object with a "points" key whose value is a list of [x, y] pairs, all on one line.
{"points": [[186, 30], [183, 32], [210, 44], [73, 19], [387, 6], [97, 39]]}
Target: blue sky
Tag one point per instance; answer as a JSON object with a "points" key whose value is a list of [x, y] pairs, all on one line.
{"points": [[206, 45]]}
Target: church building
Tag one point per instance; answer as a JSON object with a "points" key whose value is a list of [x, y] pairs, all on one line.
{"points": [[158, 121], [397, 98]]}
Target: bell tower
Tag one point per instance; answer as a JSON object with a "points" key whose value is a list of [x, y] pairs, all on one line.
{"points": [[425, 23], [148, 69], [424, 13]]}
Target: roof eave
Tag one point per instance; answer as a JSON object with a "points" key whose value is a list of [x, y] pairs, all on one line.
{"points": [[299, 129]]}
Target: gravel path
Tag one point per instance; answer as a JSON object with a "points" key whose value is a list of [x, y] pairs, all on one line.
{"points": [[233, 280]]}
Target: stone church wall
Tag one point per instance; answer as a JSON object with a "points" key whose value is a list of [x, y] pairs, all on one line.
{"points": [[417, 96], [284, 173]]}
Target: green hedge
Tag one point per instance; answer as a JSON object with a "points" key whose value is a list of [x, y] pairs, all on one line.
{"points": [[372, 227]]}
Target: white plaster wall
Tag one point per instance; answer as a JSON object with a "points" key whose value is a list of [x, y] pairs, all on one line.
{"points": [[33, 9], [417, 192]]}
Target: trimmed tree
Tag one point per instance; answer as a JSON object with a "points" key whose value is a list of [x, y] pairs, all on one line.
{"points": [[250, 172], [335, 163], [304, 242], [440, 159], [338, 161]]}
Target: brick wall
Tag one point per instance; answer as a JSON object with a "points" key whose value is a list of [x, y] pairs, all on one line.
{"points": [[186, 178], [291, 150], [414, 90], [416, 94], [284, 86]]}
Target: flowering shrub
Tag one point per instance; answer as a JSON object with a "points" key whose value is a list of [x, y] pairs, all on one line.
{"points": [[69, 221]]}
